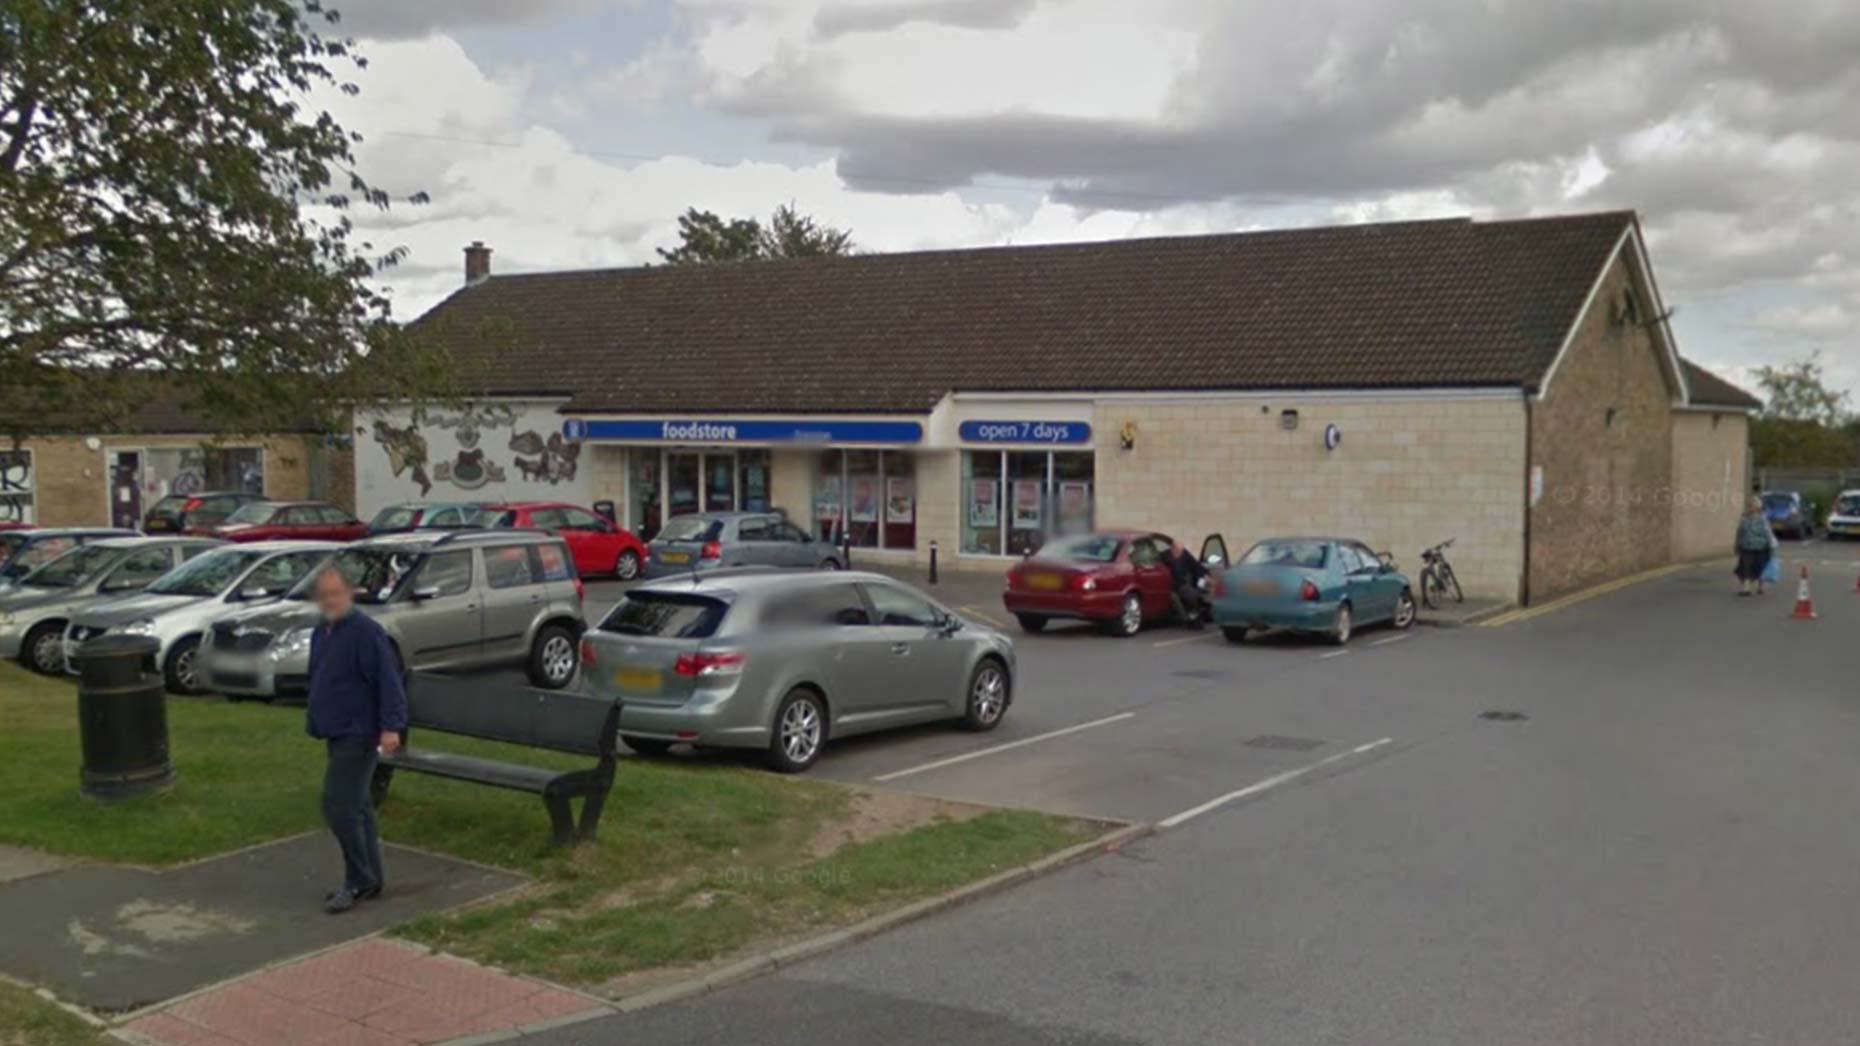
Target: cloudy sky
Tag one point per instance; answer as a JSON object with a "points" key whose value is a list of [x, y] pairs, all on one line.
{"points": [[571, 133]]}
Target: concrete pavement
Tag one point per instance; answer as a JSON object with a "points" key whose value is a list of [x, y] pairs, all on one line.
{"points": [[1659, 851]]}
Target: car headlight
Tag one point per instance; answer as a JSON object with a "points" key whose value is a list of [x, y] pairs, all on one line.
{"points": [[295, 642], [144, 627]]}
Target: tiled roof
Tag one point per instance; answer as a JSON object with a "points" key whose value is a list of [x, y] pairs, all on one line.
{"points": [[1709, 390], [1401, 305]]}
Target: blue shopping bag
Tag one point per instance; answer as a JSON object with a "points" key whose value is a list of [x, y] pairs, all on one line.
{"points": [[1772, 571]]}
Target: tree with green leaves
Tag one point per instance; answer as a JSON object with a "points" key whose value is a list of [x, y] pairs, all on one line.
{"points": [[174, 207], [706, 238], [1804, 423]]}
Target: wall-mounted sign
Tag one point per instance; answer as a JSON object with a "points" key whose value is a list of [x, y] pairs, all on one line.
{"points": [[1025, 432], [1332, 437], [685, 430]]}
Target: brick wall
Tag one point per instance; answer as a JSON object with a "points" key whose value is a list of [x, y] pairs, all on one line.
{"points": [[71, 481], [1408, 474], [1603, 434], [1710, 462]]}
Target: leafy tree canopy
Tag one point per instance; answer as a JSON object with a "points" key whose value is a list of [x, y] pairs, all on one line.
{"points": [[1804, 423], [704, 238], [158, 171]]}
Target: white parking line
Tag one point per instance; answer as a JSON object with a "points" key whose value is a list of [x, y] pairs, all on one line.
{"points": [[1334, 653], [1391, 639], [1179, 640], [1267, 785], [1022, 743], [983, 614]]}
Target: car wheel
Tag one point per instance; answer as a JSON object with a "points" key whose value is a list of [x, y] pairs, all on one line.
{"points": [[182, 672], [1031, 622], [800, 732], [1129, 619], [43, 649], [552, 658], [1340, 631], [1234, 633], [1404, 609], [647, 746], [626, 568], [830, 563], [987, 701]]}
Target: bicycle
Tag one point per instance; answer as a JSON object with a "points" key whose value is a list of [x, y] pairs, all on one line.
{"points": [[1437, 576]]}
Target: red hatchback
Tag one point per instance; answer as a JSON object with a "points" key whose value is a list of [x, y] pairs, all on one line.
{"points": [[286, 521], [1117, 579], [599, 545]]}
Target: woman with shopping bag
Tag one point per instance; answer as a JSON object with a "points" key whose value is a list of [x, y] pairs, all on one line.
{"points": [[1756, 549]]}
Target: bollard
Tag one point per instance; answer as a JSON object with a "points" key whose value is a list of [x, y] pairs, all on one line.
{"points": [[122, 718], [846, 550], [933, 562]]}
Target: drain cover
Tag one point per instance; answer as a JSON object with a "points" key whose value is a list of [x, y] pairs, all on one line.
{"points": [[1500, 716], [1200, 673], [1284, 744]]}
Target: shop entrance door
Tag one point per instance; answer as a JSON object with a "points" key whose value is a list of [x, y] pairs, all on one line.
{"points": [[126, 489], [699, 482], [720, 483]]}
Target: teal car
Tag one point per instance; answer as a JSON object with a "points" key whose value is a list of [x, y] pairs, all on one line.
{"points": [[1322, 586]]}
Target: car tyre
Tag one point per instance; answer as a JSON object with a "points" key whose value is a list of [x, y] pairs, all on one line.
{"points": [[651, 747], [1234, 633], [1031, 622], [799, 732], [1404, 611], [552, 658], [831, 563], [43, 649], [626, 567], [1129, 619], [1344, 625], [990, 690], [181, 671]]}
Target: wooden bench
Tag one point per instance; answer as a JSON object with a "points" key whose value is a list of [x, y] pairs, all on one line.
{"points": [[551, 720]]}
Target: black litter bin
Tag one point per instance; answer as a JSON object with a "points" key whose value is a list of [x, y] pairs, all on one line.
{"points": [[122, 717]]}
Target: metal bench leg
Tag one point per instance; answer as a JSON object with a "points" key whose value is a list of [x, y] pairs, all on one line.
{"points": [[561, 819], [591, 813]]}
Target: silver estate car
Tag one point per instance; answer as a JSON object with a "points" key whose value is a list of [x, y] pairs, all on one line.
{"points": [[33, 613], [784, 661], [180, 605], [447, 599], [719, 540]]}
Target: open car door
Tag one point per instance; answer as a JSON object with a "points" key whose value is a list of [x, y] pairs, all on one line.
{"points": [[1214, 553]]}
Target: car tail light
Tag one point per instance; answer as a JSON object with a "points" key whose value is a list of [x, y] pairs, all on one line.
{"points": [[1217, 584], [1084, 583], [190, 504], [1308, 591], [711, 550], [1013, 578], [587, 646], [704, 664]]}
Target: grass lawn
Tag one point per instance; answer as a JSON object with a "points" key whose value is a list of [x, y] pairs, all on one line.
{"points": [[693, 862], [26, 1020]]}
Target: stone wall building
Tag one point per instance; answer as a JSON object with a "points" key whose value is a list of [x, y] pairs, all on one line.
{"points": [[1510, 385]]}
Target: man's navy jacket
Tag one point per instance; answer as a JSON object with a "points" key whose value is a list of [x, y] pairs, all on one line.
{"points": [[355, 688]]}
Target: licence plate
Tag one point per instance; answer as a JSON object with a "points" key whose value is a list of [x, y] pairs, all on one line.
{"points": [[674, 557], [1260, 588], [1045, 581], [637, 678]]}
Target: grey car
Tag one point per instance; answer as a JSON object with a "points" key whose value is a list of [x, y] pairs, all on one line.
{"points": [[24, 551], [448, 599], [34, 612], [178, 607], [784, 661], [719, 540]]}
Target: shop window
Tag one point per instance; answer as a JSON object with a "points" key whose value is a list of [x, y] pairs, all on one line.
{"points": [[752, 468], [867, 497], [863, 483], [829, 474], [719, 483], [1072, 493], [642, 492], [900, 501], [1014, 501], [683, 474], [981, 503]]}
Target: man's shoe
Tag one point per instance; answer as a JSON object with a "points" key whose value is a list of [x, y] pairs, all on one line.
{"points": [[370, 894], [339, 901]]}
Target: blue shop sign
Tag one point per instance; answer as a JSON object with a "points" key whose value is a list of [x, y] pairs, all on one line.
{"points": [[686, 430], [1025, 432]]}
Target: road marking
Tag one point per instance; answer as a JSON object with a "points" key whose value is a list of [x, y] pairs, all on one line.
{"points": [[984, 615], [1186, 639], [1392, 639], [1268, 784], [1584, 596], [1022, 743], [1334, 653]]}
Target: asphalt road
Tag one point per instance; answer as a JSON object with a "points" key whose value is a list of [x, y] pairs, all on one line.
{"points": [[1662, 852]]}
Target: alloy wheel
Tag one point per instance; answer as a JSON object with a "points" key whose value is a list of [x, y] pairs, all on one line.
{"points": [[1404, 611], [626, 568], [800, 732], [1344, 624], [186, 669], [48, 653], [1130, 619], [988, 696], [558, 658]]}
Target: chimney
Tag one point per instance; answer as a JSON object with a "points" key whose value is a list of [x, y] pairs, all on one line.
{"points": [[477, 262]]}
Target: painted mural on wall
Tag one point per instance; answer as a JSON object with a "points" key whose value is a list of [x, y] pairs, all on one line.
{"points": [[16, 486], [549, 460], [480, 452], [471, 467]]}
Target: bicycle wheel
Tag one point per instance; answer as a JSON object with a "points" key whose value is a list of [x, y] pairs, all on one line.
{"points": [[1450, 582], [1430, 588]]}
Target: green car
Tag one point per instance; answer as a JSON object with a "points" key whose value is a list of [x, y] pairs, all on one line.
{"points": [[1322, 586]]}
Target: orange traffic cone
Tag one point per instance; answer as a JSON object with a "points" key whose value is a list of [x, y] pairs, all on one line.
{"points": [[1804, 603]]}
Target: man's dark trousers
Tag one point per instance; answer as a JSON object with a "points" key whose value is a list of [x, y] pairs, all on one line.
{"points": [[350, 812]]}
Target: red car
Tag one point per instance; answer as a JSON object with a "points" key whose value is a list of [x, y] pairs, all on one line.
{"points": [[599, 545], [1117, 579], [284, 521]]}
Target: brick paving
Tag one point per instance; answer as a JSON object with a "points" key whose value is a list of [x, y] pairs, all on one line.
{"points": [[371, 993]]}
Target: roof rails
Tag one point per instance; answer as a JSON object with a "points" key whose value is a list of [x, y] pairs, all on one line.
{"points": [[466, 532]]}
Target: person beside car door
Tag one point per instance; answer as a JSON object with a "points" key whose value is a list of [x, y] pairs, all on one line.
{"points": [[1185, 574]]}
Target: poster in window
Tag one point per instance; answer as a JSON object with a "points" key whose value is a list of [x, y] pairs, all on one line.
{"points": [[1074, 503], [864, 499], [984, 498], [827, 498], [900, 501], [1026, 504]]}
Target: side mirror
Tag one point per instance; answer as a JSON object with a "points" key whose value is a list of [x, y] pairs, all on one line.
{"points": [[426, 592], [948, 625]]}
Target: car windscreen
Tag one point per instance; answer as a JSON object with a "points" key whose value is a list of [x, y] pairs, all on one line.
{"points": [[666, 615], [394, 517], [208, 574], [374, 573], [1089, 548], [250, 512], [71, 568], [1310, 555], [690, 528], [9, 541], [1848, 505]]}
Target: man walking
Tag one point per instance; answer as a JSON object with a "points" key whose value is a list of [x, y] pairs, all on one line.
{"points": [[358, 708]]}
